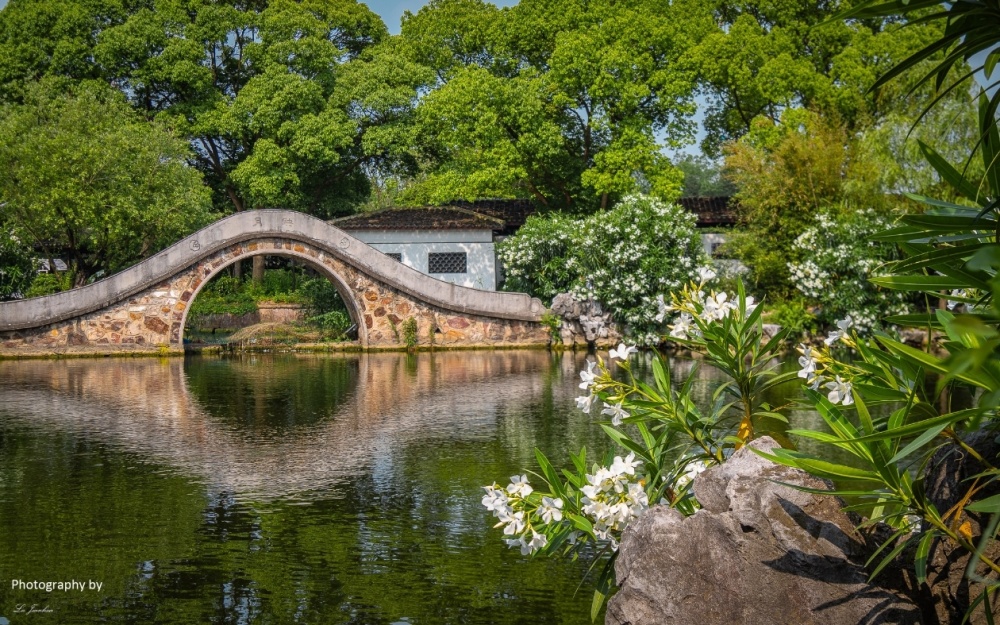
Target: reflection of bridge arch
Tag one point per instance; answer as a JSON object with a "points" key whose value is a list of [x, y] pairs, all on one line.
{"points": [[147, 407], [146, 306]]}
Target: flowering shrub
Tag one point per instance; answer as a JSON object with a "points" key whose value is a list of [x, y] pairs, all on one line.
{"points": [[623, 258], [837, 259], [17, 266], [667, 439]]}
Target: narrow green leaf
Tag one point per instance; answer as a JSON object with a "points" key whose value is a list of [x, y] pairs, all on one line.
{"points": [[889, 558], [930, 284], [990, 505], [923, 550], [919, 442], [597, 604], [920, 426]]}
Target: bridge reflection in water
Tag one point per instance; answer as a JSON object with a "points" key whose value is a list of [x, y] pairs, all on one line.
{"points": [[279, 435]]}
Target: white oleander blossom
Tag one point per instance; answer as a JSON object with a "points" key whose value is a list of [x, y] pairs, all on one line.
{"points": [[705, 274], [519, 486], [838, 260], [807, 361], [588, 376], [551, 510], [584, 402], [843, 325], [495, 500], [613, 498], [663, 309], [840, 392], [717, 307], [528, 547], [622, 352], [616, 412], [693, 469], [515, 524], [683, 327]]}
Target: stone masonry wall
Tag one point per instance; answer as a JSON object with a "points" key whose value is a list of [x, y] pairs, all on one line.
{"points": [[154, 318]]}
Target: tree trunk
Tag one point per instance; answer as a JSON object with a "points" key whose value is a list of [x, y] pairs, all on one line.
{"points": [[258, 269]]}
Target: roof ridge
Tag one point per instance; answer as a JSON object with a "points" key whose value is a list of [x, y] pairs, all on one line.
{"points": [[470, 212], [401, 209]]}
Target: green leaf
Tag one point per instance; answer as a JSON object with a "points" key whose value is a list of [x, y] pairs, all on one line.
{"points": [[889, 558], [920, 426], [919, 442], [597, 604], [920, 559], [990, 505], [549, 473], [819, 468], [928, 284]]}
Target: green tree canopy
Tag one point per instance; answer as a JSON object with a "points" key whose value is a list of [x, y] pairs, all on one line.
{"points": [[565, 101], [86, 176], [287, 103], [761, 58], [263, 91]]}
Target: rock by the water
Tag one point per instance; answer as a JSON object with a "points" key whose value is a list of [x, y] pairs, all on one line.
{"points": [[584, 322], [757, 553]]}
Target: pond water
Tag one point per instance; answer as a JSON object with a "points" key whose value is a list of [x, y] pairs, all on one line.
{"points": [[283, 488]]}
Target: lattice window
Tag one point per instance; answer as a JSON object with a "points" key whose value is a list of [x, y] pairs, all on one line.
{"points": [[396, 256], [446, 262]]}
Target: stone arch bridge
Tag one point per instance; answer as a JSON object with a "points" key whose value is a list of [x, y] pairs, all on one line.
{"points": [[145, 307]]}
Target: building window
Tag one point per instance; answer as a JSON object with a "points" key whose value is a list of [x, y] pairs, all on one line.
{"points": [[396, 256], [446, 262]]}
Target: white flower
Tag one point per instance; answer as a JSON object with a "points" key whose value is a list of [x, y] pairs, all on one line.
{"points": [[842, 326], [551, 509], [716, 307], [537, 542], [663, 308], [705, 274], [612, 498], [588, 376], [584, 402], [682, 327], [691, 471], [495, 500], [616, 412], [751, 304], [515, 524], [624, 466], [622, 352], [840, 392], [519, 542], [807, 362], [519, 486]]}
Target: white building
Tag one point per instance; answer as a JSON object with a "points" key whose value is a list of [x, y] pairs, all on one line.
{"points": [[448, 243]]}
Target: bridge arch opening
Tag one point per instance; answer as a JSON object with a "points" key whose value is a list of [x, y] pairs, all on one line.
{"points": [[303, 258]]}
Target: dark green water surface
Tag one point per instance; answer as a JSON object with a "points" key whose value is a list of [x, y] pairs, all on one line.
{"points": [[282, 489]]}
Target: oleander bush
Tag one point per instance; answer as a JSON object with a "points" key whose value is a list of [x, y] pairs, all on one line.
{"points": [[625, 258], [837, 257], [17, 266]]}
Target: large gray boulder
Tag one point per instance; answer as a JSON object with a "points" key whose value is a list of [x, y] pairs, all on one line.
{"points": [[757, 552]]}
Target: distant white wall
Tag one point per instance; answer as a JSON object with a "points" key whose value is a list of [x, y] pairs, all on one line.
{"points": [[710, 241], [415, 245]]}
